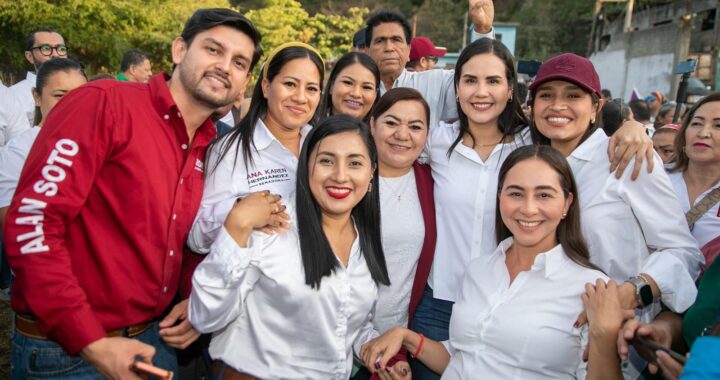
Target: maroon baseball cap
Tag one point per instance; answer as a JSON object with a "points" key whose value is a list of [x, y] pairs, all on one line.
{"points": [[571, 68], [423, 47]]}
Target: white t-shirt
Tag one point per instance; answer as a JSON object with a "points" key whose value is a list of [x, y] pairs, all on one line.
{"points": [[267, 322], [12, 160], [403, 234], [521, 330], [465, 196], [708, 226], [273, 169], [636, 226]]}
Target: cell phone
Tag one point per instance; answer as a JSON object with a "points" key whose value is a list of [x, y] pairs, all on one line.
{"points": [[149, 369], [647, 348], [686, 67]]}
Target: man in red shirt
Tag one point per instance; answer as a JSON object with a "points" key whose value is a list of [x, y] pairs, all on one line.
{"points": [[95, 233]]}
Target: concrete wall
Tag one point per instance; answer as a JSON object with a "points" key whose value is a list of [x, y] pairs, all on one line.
{"points": [[642, 59]]}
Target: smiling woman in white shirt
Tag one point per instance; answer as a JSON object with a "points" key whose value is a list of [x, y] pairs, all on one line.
{"points": [[524, 297], [696, 172], [296, 304], [260, 153], [465, 157], [636, 230], [353, 87]]}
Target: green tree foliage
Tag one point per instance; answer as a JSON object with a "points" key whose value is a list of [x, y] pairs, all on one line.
{"points": [[97, 31], [281, 21]]}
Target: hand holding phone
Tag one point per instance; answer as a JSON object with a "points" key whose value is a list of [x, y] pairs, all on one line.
{"points": [[149, 369], [647, 348]]}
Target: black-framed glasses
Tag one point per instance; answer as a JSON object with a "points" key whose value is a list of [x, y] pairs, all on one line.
{"points": [[47, 50]]}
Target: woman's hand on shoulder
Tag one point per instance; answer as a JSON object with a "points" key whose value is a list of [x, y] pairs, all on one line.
{"points": [[260, 210], [628, 142]]}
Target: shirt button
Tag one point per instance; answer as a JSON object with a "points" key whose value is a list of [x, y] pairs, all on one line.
{"points": [[182, 180], [166, 117], [174, 216], [183, 146], [179, 115], [164, 289], [172, 253]]}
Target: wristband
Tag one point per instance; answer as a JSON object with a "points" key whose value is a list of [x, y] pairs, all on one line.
{"points": [[420, 346]]}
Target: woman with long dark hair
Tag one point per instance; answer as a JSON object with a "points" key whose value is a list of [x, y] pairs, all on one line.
{"points": [[353, 87], [465, 157], [636, 230], [522, 299], [260, 154], [295, 305]]}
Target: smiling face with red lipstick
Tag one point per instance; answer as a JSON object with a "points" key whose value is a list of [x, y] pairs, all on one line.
{"points": [[340, 171], [702, 135]]}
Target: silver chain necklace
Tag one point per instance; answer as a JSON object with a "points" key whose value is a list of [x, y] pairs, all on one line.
{"points": [[398, 193]]}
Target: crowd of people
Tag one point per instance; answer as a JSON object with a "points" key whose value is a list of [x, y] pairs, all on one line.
{"points": [[385, 220]]}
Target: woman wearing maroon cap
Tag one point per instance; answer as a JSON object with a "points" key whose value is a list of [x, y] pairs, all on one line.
{"points": [[635, 230]]}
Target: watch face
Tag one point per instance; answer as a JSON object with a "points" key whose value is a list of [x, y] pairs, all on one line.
{"points": [[646, 295]]}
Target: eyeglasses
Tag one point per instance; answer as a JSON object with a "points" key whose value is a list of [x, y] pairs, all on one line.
{"points": [[47, 50]]}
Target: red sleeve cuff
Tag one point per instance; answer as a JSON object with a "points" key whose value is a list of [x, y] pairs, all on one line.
{"points": [[76, 331]]}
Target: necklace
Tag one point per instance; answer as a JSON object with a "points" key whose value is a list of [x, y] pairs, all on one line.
{"points": [[400, 191]]}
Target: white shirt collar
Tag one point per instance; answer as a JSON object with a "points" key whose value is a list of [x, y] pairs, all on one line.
{"points": [[588, 148], [263, 137], [551, 262], [31, 77]]}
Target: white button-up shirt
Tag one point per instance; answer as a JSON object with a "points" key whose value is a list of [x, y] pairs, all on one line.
{"points": [[465, 195], [22, 92], [273, 168], [636, 226], [268, 323], [437, 86], [12, 159], [13, 120], [521, 330], [708, 226]]}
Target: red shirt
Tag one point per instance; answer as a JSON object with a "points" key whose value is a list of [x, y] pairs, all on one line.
{"points": [[96, 229]]}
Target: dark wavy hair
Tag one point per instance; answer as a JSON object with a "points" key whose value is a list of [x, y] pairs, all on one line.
{"points": [[569, 231], [681, 157], [317, 255], [512, 120], [326, 107], [242, 134]]}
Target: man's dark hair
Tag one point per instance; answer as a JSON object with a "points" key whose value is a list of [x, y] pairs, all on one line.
{"points": [[208, 18], [640, 109], [30, 39], [606, 93], [386, 17], [132, 57], [359, 39]]}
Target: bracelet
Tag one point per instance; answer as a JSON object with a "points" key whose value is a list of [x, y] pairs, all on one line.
{"points": [[643, 277], [420, 346]]}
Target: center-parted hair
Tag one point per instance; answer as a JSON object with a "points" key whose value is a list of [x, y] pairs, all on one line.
{"points": [[317, 255], [242, 134], [47, 70], [512, 119], [326, 107], [681, 158], [399, 94], [569, 231]]}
